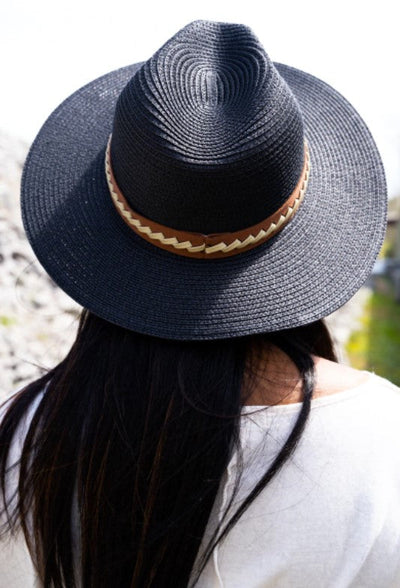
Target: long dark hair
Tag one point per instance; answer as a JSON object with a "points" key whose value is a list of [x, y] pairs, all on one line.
{"points": [[124, 454]]}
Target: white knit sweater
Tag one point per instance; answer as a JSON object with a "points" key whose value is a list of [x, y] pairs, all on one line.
{"points": [[329, 519]]}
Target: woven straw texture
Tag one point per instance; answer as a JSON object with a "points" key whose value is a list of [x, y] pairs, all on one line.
{"points": [[308, 270]]}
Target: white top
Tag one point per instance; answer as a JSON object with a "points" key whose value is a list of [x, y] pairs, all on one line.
{"points": [[329, 519]]}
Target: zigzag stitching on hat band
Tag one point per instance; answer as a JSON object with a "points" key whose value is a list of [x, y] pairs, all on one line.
{"points": [[186, 247]]}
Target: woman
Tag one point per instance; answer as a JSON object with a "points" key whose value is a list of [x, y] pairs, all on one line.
{"points": [[206, 208]]}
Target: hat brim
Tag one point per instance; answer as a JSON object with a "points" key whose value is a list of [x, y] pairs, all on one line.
{"points": [[311, 268]]}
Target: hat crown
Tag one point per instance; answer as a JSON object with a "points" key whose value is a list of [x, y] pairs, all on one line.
{"points": [[207, 135]]}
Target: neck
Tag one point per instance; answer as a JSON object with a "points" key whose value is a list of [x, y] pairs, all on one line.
{"points": [[272, 378]]}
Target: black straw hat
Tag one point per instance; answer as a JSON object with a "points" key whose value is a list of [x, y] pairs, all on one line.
{"points": [[206, 193]]}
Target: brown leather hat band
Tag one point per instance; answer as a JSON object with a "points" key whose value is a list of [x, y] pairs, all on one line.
{"points": [[212, 246]]}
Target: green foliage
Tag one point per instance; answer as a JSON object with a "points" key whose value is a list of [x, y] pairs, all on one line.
{"points": [[376, 346], [7, 321], [388, 250]]}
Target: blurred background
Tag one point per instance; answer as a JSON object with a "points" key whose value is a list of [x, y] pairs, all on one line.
{"points": [[49, 49]]}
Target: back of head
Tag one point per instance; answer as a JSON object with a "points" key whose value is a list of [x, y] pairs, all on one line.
{"points": [[206, 208]]}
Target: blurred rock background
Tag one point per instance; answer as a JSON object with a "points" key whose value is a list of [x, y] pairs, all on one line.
{"points": [[37, 320]]}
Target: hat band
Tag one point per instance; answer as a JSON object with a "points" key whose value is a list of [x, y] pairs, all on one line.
{"points": [[216, 245]]}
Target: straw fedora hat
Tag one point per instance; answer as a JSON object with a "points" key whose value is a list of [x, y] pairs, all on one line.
{"points": [[206, 193]]}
